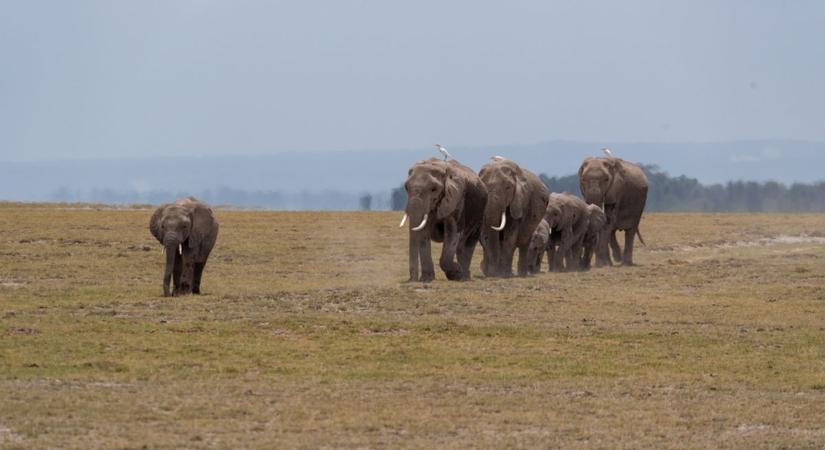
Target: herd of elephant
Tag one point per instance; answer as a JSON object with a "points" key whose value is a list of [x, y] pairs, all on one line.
{"points": [[504, 207]]}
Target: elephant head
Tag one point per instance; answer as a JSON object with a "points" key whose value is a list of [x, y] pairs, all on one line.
{"points": [[434, 192], [507, 190], [556, 212], [598, 220], [596, 177]]}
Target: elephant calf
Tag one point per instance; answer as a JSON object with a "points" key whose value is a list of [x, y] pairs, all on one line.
{"points": [[538, 245], [188, 231], [597, 223], [568, 218]]}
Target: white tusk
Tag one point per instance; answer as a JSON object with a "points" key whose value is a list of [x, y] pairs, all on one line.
{"points": [[503, 222], [423, 223], [403, 221], [163, 251], [180, 248]]}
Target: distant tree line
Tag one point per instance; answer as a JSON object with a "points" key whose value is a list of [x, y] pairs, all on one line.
{"points": [[667, 193], [685, 194]]}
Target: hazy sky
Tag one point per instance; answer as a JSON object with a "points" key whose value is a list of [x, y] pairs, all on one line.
{"points": [[207, 77]]}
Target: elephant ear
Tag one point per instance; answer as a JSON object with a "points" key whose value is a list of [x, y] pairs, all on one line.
{"points": [[454, 187], [155, 225], [520, 198], [202, 223]]}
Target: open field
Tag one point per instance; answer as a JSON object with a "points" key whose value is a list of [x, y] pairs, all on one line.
{"points": [[308, 337]]}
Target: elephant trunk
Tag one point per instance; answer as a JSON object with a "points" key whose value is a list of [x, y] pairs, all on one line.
{"points": [[417, 213], [495, 215], [593, 196], [171, 253]]}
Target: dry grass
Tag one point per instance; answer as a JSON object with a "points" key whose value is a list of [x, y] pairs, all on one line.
{"points": [[307, 337]]}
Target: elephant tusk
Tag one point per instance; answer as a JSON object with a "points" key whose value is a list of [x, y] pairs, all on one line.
{"points": [[422, 225], [180, 248], [403, 221], [163, 251], [503, 222]]}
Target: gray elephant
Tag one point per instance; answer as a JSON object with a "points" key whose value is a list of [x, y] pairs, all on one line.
{"points": [[620, 188], [188, 231], [538, 246], [591, 237], [516, 204], [445, 203], [568, 218]]}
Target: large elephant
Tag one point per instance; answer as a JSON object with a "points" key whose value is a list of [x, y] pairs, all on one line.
{"points": [[516, 204], [188, 231], [568, 218], [591, 237], [445, 203], [620, 188]]}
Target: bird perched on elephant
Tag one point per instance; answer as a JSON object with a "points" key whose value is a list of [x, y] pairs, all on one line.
{"points": [[620, 188], [445, 203], [538, 246], [516, 203], [188, 231], [597, 223], [568, 218]]}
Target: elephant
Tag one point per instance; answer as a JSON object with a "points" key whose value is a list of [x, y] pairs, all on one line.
{"points": [[538, 245], [188, 231], [445, 203], [568, 218], [620, 188], [516, 204], [591, 237]]}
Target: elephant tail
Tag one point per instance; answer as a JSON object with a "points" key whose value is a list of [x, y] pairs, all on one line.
{"points": [[641, 239]]}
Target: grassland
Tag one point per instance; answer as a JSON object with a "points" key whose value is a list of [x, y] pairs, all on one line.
{"points": [[308, 337]]}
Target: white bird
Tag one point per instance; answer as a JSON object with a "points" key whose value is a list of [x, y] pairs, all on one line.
{"points": [[607, 152], [498, 158], [444, 152]]}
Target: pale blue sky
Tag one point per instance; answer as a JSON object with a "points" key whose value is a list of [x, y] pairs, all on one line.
{"points": [[205, 77]]}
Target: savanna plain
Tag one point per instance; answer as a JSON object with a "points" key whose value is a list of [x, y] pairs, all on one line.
{"points": [[308, 336]]}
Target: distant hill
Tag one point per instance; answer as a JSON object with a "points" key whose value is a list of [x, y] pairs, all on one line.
{"points": [[300, 177]]}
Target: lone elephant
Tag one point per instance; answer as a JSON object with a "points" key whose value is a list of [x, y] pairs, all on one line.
{"points": [[620, 188], [445, 203], [188, 231], [516, 204]]}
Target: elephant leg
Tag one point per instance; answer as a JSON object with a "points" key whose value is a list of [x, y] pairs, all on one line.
{"points": [[465, 254], [426, 256], [539, 257], [603, 250], [588, 256], [571, 261], [508, 251], [491, 263], [196, 280], [629, 240], [524, 260], [414, 246], [614, 246], [447, 262], [187, 275]]}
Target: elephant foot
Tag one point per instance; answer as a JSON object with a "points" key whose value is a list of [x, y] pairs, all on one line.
{"points": [[454, 276], [427, 277]]}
